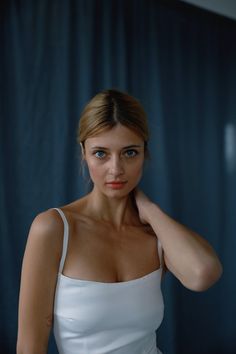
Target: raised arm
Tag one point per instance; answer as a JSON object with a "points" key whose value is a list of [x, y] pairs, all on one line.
{"points": [[38, 281], [186, 254]]}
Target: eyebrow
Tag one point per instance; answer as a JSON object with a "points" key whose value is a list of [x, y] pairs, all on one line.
{"points": [[124, 148]]}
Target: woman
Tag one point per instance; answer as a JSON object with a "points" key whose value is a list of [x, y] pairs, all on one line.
{"points": [[92, 269]]}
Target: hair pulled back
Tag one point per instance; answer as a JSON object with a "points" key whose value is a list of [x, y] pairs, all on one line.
{"points": [[109, 108]]}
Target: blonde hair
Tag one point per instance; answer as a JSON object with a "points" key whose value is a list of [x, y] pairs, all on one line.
{"points": [[109, 108]]}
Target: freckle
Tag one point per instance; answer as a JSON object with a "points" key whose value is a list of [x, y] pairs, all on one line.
{"points": [[49, 320]]}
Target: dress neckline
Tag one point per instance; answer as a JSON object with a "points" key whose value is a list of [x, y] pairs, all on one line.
{"points": [[120, 283]]}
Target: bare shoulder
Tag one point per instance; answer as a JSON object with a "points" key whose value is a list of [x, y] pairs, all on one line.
{"points": [[47, 221], [46, 232]]}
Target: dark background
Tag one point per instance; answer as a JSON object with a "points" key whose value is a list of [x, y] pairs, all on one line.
{"points": [[180, 62]]}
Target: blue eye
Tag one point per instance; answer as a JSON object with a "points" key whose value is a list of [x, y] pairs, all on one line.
{"points": [[131, 153], [100, 154]]}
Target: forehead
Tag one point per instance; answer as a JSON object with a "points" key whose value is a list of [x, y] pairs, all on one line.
{"points": [[119, 136]]}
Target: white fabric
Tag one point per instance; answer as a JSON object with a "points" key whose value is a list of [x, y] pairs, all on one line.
{"points": [[98, 318]]}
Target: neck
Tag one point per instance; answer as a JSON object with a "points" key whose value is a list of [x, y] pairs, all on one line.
{"points": [[116, 211]]}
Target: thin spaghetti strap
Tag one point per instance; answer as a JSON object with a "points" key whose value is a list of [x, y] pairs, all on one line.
{"points": [[65, 239], [160, 252]]}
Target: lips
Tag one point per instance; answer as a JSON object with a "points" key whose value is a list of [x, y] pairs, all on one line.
{"points": [[116, 184]]}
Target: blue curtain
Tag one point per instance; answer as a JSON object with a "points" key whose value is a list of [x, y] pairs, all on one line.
{"points": [[179, 61]]}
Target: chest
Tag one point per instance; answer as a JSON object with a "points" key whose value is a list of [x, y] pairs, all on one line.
{"points": [[96, 252]]}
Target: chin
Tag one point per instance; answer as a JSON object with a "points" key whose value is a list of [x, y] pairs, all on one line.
{"points": [[118, 193], [115, 193]]}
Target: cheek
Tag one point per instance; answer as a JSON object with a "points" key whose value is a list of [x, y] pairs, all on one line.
{"points": [[136, 171], [95, 171]]}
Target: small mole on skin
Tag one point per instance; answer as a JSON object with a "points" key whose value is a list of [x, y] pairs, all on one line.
{"points": [[49, 320]]}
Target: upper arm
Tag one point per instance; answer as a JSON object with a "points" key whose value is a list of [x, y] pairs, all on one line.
{"points": [[38, 282]]}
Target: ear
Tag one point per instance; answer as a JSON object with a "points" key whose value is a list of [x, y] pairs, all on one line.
{"points": [[82, 151]]}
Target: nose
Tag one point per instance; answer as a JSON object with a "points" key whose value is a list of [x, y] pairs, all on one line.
{"points": [[116, 166]]}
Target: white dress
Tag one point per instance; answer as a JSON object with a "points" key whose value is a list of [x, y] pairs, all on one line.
{"points": [[93, 317]]}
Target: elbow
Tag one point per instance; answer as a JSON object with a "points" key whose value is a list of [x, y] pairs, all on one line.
{"points": [[205, 276]]}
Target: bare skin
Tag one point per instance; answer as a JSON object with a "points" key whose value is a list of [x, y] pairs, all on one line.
{"points": [[110, 238], [186, 254]]}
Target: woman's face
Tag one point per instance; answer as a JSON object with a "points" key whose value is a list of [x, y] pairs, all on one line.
{"points": [[115, 160]]}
